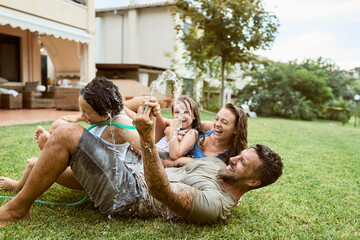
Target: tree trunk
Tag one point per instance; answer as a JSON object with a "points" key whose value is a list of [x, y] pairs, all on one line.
{"points": [[208, 94], [222, 84], [208, 97]]}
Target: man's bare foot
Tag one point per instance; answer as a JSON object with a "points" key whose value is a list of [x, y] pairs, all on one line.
{"points": [[9, 184], [41, 136], [9, 215]]}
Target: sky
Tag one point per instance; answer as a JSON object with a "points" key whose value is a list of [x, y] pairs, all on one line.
{"points": [[308, 29], [316, 28]]}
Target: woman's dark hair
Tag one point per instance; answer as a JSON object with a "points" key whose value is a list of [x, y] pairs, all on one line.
{"points": [[239, 141], [103, 96], [188, 101]]}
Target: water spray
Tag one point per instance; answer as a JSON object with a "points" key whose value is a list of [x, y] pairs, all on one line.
{"points": [[169, 75]]}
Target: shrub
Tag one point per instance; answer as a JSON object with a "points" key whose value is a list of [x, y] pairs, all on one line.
{"points": [[343, 118], [337, 114]]}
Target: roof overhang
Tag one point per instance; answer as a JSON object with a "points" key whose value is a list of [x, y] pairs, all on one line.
{"points": [[135, 6], [64, 54], [42, 26]]}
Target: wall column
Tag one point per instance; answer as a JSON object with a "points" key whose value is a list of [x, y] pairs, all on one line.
{"points": [[133, 55]]}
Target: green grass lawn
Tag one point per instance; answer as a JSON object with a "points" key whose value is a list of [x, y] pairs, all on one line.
{"points": [[316, 198]]}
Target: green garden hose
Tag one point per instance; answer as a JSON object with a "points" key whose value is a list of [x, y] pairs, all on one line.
{"points": [[120, 125], [56, 203]]}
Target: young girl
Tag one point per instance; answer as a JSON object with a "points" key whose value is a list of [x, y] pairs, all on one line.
{"points": [[169, 147], [172, 147], [100, 102]]}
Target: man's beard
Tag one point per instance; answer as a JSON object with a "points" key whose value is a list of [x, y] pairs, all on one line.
{"points": [[231, 179]]}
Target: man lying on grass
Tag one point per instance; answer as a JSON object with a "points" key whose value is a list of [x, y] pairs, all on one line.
{"points": [[204, 191]]}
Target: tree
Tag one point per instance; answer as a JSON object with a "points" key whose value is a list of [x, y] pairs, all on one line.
{"points": [[312, 85], [287, 90], [338, 80], [227, 29]]}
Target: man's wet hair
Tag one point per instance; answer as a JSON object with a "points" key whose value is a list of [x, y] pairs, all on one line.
{"points": [[103, 96], [270, 168]]}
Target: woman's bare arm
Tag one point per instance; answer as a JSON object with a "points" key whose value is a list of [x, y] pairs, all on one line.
{"points": [[135, 103], [207, 125]]}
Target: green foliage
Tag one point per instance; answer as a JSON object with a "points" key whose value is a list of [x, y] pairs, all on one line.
{"points": [[343, 118], [338, 80], [338, 103], [272, 92], [354, 89], [337, 114], [229, 30], [312, 85], [316, 198], [211, 100], [299, 90]]}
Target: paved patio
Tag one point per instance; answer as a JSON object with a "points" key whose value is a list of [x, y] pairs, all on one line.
{"points": [[23, 116]]}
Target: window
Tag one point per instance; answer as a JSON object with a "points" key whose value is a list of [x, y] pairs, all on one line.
{"points": [[82, 2]]}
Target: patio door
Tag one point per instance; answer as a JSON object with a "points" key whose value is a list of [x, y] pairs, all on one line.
{"points": [[10, 57]]}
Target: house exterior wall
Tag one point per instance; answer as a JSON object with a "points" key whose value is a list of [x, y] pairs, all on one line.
{"points": [[60, 11], [139, 34], [76, 15], [145, 37], [109, 38], [90, 69], [30, 64], [156, 39]]}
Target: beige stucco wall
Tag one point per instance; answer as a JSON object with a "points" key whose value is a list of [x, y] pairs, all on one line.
{"points": [[149, 37], [156, 36], [66, 12], [108, 36], [90, 55], [60, 11]]}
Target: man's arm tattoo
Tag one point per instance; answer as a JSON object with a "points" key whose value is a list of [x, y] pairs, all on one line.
{"points": [[178, 197]]}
